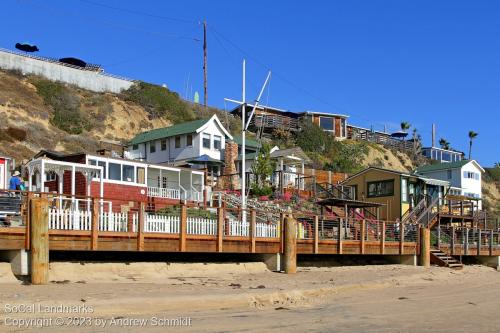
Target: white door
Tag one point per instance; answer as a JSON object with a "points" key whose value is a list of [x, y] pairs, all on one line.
{"points": [[3, 181]]}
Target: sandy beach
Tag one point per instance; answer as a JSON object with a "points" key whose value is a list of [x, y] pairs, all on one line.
{"points": [[148, 297]]}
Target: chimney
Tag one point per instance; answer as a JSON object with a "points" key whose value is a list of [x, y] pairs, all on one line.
{"points": [[433, 135]]}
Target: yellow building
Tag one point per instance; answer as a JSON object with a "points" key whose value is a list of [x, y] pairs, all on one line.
{"points": [[396, 191]]}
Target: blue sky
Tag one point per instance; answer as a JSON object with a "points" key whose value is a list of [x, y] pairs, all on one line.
{"points": [[380, 62]]}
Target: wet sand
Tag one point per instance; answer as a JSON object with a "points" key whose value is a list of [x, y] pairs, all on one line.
{"points": [[248, 298]]}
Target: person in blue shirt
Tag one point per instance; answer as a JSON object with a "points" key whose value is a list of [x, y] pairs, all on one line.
{"points": [[16, 182]]}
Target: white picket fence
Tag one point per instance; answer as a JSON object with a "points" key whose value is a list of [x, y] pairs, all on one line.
{"points": [[65, 219], [201, 226]]}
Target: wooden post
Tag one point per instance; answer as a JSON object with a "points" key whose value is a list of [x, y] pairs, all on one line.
{"points": [[439, 234], [401, 238], [466, 243], [290, 253], [140, 227], [27, 221], [95, 224], [449, 207], [491, 242], [478, 242], [183, 228], [453, 240], [339, 238], [251, 231], [282, 233], [316, 235], [461, 208], [362, 237], [425, 247], [382, 238], [39, 230], [220, 228]]}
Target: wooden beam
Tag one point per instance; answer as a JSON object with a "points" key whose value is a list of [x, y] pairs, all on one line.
{"points": [[362, 237], [220, 228], [478, 242], [290, 253], [453, 240], [491, 242], [27, 219], [401, 238], [140, 228], [183, 228], [282, 232], [382, 239], [316, 234], [39, 240], [339, 237], [425, 247], [95, 224], [251, 231]]}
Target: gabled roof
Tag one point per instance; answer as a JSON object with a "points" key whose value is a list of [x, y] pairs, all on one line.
{"points": [[427, 180], [194, 126], [327, 114], [447, 166]]}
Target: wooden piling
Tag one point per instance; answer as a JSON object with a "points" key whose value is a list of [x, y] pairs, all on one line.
{"points": [[183, 228], [362, 237], [95, 224], [290, 253], [220, 228], [401, 238], [253, 220], [425, 247], [39, 235], [382, 239], [140, 228], [316, 234]]}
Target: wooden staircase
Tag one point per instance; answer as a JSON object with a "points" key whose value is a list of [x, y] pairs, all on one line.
{"points": [[441, 258]]}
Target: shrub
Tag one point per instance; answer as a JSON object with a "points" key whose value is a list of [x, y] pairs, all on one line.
{"points": [[66, 106], [160, 102], [313, 139]]}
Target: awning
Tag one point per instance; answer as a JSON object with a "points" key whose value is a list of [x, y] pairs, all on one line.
{"points": [[437, 182], [206, 160]]}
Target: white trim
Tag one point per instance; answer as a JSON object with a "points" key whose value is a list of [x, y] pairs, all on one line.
{"points": [[217, 121]]}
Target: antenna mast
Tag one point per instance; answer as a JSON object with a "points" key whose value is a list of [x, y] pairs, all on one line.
{"points": [[205, 88]]}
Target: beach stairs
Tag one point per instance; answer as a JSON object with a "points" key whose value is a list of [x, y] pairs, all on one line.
{"points": [[443, 259]]}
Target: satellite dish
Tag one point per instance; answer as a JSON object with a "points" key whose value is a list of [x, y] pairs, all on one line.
{"points": [[27, 47], [196, 97]]}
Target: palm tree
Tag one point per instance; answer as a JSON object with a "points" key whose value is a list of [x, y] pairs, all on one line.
{"points": [[405, 126], [444, 144], [472, 136]]}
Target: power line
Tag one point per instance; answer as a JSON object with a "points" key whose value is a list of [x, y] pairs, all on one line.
{"points": [[136, 12]]}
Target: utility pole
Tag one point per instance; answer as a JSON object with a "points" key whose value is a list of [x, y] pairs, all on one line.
{"points": [[205, 96]]}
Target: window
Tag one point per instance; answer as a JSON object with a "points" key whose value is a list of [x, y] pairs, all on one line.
{"points": [[163, 144], [140, 175], [152, 147], [471, 175], [177, 142], [135, 147], [115, 171], [446, 157], [404, 189], [206, 141], [189, 140], [448, 174], [128, 173], [217, 142], [326, 123], [101, 164], [383, 188], [49, 176]]}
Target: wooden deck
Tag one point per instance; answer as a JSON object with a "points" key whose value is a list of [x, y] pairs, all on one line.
{"points": [[14, 238]]}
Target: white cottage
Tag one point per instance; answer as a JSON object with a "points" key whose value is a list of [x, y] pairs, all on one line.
{"points": [[464, 177], [181, 143]]}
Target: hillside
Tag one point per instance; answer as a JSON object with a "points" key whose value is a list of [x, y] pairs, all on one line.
{"points": [[40, 114]]}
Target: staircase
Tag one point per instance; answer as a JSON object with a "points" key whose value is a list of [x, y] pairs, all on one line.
{"points": [[441, 258]]}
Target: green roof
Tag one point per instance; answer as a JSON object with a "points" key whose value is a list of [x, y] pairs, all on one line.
{"points": [[165, 132], [248, 156], [442, 166], [248, 142]]}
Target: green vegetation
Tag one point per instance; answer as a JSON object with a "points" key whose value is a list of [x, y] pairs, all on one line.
{"points": [[340, 156], [160, 102], [263, 168], [66, 105], [191, 212], [492, 174]]}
